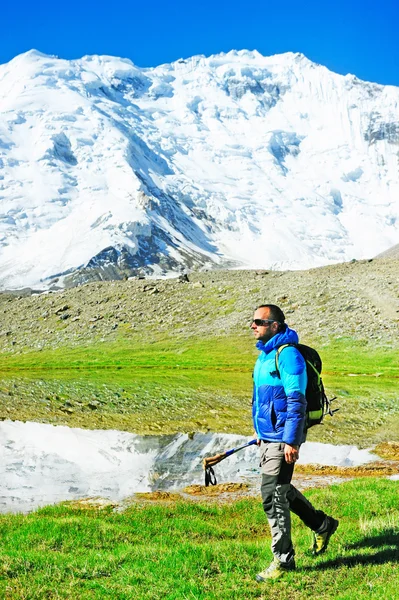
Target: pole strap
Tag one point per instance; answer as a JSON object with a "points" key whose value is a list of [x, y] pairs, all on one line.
{"points": [[210, 477]]}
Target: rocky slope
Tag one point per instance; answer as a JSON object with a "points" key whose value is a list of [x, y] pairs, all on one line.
{"points": [[357, 299], [392, 252]]}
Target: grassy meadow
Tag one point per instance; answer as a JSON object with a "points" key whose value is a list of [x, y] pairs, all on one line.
{"points": [[197, 550]]}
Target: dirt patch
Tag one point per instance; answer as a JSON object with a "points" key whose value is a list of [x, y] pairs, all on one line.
{"points": [[216, 490], [374, 469], [165, 496], [91, 503], [388, 450]]}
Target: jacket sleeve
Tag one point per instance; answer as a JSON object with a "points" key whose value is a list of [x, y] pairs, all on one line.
{"points": [[293, 375]]}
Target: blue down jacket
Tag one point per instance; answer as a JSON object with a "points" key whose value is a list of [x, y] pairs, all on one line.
{"points": [[279, 405]]}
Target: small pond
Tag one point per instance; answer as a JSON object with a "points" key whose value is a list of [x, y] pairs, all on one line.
{"points": [[45, 464]]}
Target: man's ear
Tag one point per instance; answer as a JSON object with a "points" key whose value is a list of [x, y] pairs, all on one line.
{"points": [[275, 327]]}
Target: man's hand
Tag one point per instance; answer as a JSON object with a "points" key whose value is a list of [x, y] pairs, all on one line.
{"points": [[291, 453], [257, 439]]}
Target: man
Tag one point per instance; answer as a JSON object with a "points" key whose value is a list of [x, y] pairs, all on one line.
{"points": [[279, 414]]}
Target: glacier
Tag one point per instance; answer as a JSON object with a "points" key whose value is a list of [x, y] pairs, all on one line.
{"points": [[108, 170]]}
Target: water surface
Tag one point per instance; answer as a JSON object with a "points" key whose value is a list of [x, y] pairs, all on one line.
{"points": [[45, 464]]}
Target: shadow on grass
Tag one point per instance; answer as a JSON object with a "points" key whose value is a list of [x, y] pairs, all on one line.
{"points": [[386, 555], [389, 537]]}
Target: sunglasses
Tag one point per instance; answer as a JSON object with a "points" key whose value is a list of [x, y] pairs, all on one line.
{"points": [[262, 322]]}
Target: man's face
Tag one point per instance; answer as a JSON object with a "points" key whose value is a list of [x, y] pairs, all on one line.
{"points": [[266, 331]]}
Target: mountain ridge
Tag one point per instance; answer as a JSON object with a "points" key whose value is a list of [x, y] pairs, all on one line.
{"points": [[109, 170]]}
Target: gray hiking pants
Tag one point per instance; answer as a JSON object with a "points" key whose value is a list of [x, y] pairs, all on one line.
{"points": [[280, 498]]}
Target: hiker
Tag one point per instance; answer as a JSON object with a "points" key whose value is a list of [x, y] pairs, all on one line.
{"points": [[279, 416]]}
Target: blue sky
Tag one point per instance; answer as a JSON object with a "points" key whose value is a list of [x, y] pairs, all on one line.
{"points": [[353, 36]]}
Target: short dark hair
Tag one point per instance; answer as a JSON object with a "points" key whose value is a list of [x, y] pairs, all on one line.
{"points": [[275, 313]]}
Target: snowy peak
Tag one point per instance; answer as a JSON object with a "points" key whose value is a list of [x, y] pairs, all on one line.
{"points": [[236, 159]]}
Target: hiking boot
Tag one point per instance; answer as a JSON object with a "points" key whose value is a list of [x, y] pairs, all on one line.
{"points": [[320, 540], [275, 570]]}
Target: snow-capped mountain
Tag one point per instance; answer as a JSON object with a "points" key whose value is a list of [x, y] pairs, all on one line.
{"points": [[107, 169]]}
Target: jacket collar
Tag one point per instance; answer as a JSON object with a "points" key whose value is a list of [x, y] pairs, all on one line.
{"points": [[288, 336]]}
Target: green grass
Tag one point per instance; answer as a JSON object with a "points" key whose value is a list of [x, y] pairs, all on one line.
{"points": [[191, 550], [166, 352], [341, 356], [165, 386]]}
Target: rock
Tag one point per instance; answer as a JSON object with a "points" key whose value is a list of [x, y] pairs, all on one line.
{"points": [[94, 404], [62, 309]]}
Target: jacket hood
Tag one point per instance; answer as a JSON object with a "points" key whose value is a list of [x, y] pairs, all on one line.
{"points": [[288, 336]]}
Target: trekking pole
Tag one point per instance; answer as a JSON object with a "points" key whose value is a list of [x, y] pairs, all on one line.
{"points": [[211, 461]]}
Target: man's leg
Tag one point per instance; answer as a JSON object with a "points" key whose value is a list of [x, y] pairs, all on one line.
{"points": [[277, 509], [276, 477], [304, 509], [321, 524]]}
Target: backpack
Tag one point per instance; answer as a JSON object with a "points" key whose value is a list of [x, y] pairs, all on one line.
{"points": [[317, 402]]}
